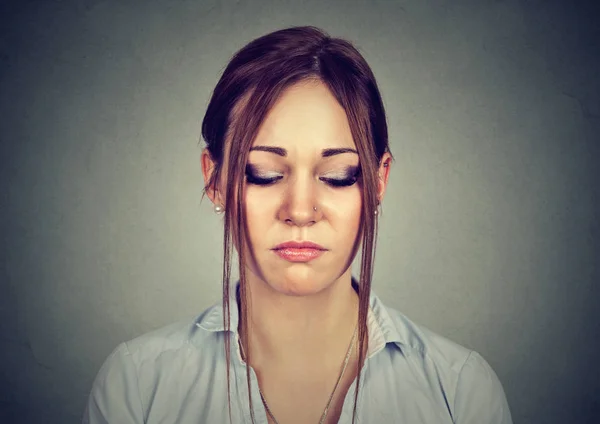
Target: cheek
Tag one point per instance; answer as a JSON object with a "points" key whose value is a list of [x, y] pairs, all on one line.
{"points": [[261, 207], [343, 211], [350, 212], [346, 205]]}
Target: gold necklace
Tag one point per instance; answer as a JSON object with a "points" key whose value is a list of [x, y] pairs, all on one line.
{"points": [[264, 401]]}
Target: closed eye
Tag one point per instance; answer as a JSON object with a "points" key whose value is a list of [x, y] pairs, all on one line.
{"points": [[253, 176], [339, 183], [262, 181], [344, 179]]}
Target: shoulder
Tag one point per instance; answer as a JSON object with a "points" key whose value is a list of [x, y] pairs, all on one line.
{"points": [[123, 385], [169, 338], [471, 389], [419, 342], [152, 345]]}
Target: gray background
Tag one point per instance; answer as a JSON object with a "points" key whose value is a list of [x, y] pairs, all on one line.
{"points": [[489, 233]]}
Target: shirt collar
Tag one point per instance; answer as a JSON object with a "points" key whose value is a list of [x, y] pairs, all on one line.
{"points": [[381, 327]]}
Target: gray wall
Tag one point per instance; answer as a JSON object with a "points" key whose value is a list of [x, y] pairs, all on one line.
{"points": [[490, 228]]}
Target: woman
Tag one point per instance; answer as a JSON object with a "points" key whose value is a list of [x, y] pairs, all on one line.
{"points": [[297, 159]]}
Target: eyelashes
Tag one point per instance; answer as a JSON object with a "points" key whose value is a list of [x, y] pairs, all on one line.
{"points": [[253, 176], [345, 178]]}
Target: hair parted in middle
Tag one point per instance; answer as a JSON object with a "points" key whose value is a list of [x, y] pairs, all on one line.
{"points": [[250, 85]]}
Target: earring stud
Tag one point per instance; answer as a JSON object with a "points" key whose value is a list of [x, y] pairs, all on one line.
{"points": [[219, 209]]}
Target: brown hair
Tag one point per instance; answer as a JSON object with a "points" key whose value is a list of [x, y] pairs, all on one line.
{"points": [[251, 83]]}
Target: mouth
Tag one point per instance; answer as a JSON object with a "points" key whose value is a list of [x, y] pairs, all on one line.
{"points": [[299, 251]]}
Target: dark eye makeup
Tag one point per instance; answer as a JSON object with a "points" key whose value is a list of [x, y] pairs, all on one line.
{"points": [[255, 176], [344, 178]]}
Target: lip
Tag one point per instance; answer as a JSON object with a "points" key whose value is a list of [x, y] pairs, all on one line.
{"points": [[294, 251], [299, 245]]}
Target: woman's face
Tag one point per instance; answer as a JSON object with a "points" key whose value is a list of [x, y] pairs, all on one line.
{"points": [[303, 157], [283, 187]]}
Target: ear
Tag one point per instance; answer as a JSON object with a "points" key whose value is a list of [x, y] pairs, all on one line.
{"points": [[383, 172], [208, 167]]}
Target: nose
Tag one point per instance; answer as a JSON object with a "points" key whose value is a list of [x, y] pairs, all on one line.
{"points": [[299, 202]]}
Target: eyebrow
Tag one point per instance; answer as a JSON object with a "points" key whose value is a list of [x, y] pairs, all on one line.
{"points": [[324, 153]]}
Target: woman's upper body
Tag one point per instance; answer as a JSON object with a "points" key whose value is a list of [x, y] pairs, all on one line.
{"points": [[297, 156], [177, 374]]}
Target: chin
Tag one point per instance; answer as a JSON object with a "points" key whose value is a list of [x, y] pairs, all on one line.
{"points": [[295, 279], [296, 288], [297, 283]]}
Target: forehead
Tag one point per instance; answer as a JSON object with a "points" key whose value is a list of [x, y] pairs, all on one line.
{"points": [[306, 117]]}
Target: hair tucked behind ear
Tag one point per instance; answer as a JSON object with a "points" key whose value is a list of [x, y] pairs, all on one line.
{"points": [[251, 83]]}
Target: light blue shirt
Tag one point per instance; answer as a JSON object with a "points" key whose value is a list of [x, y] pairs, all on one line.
{"points": [[177, 374]]}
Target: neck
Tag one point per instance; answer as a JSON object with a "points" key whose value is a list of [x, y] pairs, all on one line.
{"points": [[301, 330]]}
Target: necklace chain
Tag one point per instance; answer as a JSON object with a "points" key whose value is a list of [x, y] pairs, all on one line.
{"points": [[264, 401]]}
